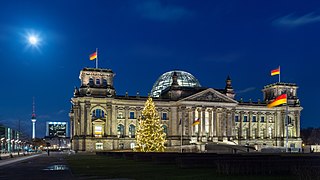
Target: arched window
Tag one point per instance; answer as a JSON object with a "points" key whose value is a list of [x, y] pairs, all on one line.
{"points": [[104, 82], [132, 131], [165, 129], [91, 82], [120, 131], [98, 113]]}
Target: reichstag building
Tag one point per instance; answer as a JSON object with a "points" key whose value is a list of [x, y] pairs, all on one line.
{"points": [[102, 120]]}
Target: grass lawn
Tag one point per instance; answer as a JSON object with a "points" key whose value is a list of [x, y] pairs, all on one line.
{"points": [[92, 166]]}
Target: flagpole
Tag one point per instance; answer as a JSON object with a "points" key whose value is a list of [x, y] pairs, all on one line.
{"points": [[181, 135], [279, 73], [97, 58], [287, 127]]}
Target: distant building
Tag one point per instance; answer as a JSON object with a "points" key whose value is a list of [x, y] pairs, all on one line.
{"points": [[56, 135], [10, 139], [57, 129], [102, 120]]}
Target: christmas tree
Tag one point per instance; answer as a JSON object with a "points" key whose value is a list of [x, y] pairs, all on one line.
{"points": [[150, 136]]}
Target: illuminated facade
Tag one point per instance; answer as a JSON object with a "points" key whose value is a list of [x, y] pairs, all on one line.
{"points": [[102, 120]]}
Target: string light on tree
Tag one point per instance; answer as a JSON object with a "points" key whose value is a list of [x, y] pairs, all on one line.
{"points": [[150, 136]]}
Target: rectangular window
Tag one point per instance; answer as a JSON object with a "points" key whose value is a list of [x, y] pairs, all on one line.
{"points": [[99, 146], [245, 118], [164, 116], [131, 115], [262, 119], [98, 131], [254, 118], [236, 118]]}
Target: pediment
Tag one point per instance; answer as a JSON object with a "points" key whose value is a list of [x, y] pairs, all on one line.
{"points": [[210, 95]]}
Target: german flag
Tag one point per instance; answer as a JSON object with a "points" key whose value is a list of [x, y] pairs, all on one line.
{"points": [[275, 71], [196, 122], [282, 99], [93, 56]]}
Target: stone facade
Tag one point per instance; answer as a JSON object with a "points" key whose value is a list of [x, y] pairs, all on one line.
{"points": [[102, 120]]}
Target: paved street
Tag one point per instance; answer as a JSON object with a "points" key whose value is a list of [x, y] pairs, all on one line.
{"points": [[39, 166]]}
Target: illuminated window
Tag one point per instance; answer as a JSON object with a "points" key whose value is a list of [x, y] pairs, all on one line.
{"points": [[120, 115], [98, 113], [254, 133], [120, 131], [132, 145], [131, 115], [98, 131], [270, 132], [99, 146], [132, 131]]}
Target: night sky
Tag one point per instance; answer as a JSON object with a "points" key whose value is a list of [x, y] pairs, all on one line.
{"points": [[140, 40]]}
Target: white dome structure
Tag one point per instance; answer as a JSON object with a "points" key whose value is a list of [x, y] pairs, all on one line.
{"points": [[184, 79]]}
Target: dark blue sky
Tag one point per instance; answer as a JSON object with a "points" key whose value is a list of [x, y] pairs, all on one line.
{"points": [[140, 40]]}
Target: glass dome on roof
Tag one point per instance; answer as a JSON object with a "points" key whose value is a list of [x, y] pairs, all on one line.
{"points": [[165, 80]]}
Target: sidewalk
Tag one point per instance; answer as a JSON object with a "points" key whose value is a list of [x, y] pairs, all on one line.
{"points": [[37, 166], [7, 159]]}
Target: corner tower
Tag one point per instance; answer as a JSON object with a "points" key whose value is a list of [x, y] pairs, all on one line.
{"points": [[96, 82]]}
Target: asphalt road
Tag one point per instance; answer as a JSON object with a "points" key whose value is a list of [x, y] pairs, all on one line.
{"points": [[34, 167]]}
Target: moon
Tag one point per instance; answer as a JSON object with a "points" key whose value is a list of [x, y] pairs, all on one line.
{"points": [[33, 40]]}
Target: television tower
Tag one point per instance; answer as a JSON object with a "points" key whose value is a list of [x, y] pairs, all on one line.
{"points": [[33, 120]]}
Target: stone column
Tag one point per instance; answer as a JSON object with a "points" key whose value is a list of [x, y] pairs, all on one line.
{"points": [[250, 124], [174, 114], [283, 124], [113, 121], [183, 120], [240, 126], [233, 123], [82, 117], [224, 122], [210, 123], [76, 127], [203, 122], [229, 123], [88, 123], [297, 121], [214, 120], [179, 118], [126, 120], [267, 124], [199, 125], [218, 123], [108, 124], [258, 126], [192, 112]]}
